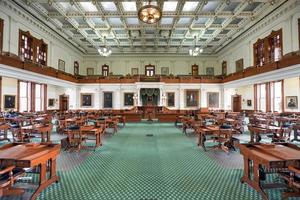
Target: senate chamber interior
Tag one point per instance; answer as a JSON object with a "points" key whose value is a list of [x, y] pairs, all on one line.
{"points": [[149, 100]]}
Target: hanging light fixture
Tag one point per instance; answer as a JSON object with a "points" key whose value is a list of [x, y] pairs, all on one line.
{"points": [[150, 14], [104, 51], [195, 51]]}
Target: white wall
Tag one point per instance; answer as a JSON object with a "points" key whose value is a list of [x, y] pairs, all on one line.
{"points": [[58, 48], [53, 92], [291, 88], [178, 65]]}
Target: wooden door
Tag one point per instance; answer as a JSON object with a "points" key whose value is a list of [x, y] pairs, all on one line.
{"points": [[236, 103], [63, 103]]}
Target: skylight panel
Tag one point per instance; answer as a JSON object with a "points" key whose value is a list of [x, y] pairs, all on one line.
{"points": [[68, 7], [190, 6], [184, 20], [166, 21], [152, 3], [109, 6], [210, 6], [132, 21], [88, 6], [129, 6], [115, 21], [170, 6]]}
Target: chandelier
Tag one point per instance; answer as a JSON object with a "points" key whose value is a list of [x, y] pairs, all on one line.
{"points": [[149, 14], [104, 51], [195, 51]]}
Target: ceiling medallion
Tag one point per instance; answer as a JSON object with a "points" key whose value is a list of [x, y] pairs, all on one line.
{"points": [[150, 14]]}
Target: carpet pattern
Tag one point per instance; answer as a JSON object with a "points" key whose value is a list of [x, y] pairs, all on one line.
{"points": [[167, 165]]}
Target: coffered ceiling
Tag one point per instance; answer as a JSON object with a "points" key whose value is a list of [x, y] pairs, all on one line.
{"points": [[209, 24]]}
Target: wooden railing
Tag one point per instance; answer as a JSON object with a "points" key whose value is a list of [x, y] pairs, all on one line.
{"points": [[14, 61]]}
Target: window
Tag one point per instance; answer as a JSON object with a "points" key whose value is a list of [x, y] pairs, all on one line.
{"points": [[105, 70], [24, 96], [26, 46], [261, 97], [170, 99], [90, 71], [276, 96], [268, 49], [39, 93], [76, 68], [1, 34], [32, 49], [149, 70], [41, 52]]}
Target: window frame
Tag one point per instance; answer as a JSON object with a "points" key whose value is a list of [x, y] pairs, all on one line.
{"points": [[105, 70], [151, 69]]}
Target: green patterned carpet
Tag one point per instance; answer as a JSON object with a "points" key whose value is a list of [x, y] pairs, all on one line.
{"points": [[168, 165], [131, 165]]}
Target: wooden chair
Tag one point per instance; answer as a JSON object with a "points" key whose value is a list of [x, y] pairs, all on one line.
{"points": [[8, 176], [293, 180], [225, 139], [75, 139], [3, 132], [283, 135], [296, 133]]}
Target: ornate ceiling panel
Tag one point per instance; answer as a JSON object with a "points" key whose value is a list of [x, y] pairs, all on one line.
{"points": [[209, 24]]}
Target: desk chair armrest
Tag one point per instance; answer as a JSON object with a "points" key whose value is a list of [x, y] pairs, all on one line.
{"points": [[7, 169]]}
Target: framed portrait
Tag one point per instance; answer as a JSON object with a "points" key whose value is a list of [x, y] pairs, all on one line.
{"points": [[128, 99], [51, 102], [86, 100], [107, 100], [213, 99], [249, 102], [61, 65], [164, 71], [9, 101], [170, 99], [134, 71], [291, 102], [239, 65], [192, 97], [210, 71]]}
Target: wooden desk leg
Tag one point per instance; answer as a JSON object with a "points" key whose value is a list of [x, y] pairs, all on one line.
{"points": [[251, 137], [97, 140], [43, 137], [43, 183], [48, 136]]}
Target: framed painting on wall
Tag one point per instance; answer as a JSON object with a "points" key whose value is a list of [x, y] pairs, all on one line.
{"points": [[210, 71], [86, 100], [107, 100], [170, 99], [9, 101], [76, 68], [128, 99], [61, 65], [134, 71], [164, 71], [239, 65], [192, 98], [291, 102], [90, 71], [213, 99], [51, 102], [249, 103]]}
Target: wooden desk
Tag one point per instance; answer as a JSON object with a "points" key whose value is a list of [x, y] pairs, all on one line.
{"points": [[95, 131], [203, 131], [257, 130], [29, 155], [271, 156], [37, 129]]}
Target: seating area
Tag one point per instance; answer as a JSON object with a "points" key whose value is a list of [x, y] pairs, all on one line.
{"points": [[149, 100]]}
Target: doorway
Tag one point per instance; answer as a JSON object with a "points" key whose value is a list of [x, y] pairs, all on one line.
{"points": [[236, 103], [63, 102]]}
